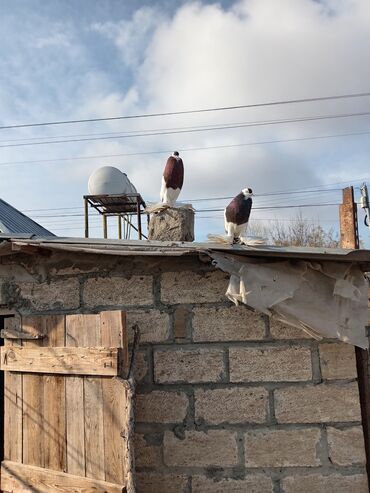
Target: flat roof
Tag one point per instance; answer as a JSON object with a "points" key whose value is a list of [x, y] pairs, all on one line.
{"points": [[11, 244]]}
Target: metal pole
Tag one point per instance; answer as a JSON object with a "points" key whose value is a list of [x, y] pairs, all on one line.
{"points": [[105, 226], [138, 217], [120, 227], [349, 239], [86, 204]]}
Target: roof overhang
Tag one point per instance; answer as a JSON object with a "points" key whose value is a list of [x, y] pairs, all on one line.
{"points": [[25, 244]]}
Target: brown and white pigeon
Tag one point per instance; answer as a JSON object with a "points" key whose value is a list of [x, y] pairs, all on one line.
{"points": [[172, 180], [237, 215]]}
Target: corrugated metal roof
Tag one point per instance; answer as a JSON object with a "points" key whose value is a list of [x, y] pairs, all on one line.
{"points": [[13, 221], [159, 248]]}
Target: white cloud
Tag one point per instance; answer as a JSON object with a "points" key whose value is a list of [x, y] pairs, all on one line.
{"points": [[131, 36], [207, 56]]}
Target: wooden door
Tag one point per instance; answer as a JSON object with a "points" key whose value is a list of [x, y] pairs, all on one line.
{"points": [[65, 404]]}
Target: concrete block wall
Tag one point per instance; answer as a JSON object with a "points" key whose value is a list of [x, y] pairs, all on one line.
{"points": [[228, 400]]}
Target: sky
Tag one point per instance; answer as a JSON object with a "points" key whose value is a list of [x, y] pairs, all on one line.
{"points": [[74, 59]]}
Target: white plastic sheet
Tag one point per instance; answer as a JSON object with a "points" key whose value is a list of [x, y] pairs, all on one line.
{"points": [[325, 299]]}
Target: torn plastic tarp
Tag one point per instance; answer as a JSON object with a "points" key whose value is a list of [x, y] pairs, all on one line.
{"points": [[325, 299]]}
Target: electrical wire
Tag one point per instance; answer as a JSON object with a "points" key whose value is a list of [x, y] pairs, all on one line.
{"points": [[189, 149], [169, 131], [210, 210], [186, 112]]}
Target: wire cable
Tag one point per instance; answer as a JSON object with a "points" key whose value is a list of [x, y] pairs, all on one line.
{"points": [[189, 149], [169, 131], [186, 112]]}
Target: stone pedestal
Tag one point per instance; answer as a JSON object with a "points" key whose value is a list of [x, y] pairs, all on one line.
{"points": [[172, 224]]}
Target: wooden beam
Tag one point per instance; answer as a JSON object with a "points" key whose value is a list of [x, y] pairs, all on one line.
{"points": [[15, 334], [348, 220], [26, 479], [63, 360], [349, 239]]}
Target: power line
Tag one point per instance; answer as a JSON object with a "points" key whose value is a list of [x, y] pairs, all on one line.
{"points": [[274, 207], [210, 210], [287, 192], [168, 131], [189, 149], [185, 112], [313, 189]]}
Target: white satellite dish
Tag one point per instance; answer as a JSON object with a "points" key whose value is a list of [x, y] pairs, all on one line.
{"points": [[108, 180]]}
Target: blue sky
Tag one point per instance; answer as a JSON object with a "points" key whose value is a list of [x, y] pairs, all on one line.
{"points": [[85, 59]]}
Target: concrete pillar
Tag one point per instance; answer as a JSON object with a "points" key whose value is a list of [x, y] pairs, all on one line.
{"points": [[172, 224]]}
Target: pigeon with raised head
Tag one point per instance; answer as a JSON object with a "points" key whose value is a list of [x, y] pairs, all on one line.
{"points": [[237, 215], [172, 180]]}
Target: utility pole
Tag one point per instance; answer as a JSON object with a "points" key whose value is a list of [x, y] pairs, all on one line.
{"points": [[349, 239], [365, 204]]}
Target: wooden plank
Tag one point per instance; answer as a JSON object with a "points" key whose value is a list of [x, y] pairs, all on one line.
{"points": [[75, 426], [12, 408], [75, 437], [349, 239], [113, 331], [114, 334], [54, 401], [94, 428], [23, 478], [15, 334], [33, 399], [93, 409], [114, 399], [61, 360]]}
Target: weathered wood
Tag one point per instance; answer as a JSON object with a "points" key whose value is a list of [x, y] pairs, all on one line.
{"points": [[114, 334], [93, 408], [62, 360], [349, 239], [33, 397], [23, 478], [348, 220], [12, 407], [114, 401], [15, 334], [75, 426], [60, 422], [54, 417], [76, 327]]}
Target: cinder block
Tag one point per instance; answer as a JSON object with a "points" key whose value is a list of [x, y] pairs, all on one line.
{"points": [[62, 294], [216, 448], [337, 361], [318, 404], [251, 484], [172, 224], [317, 483], [273, 364], [233, 405], [346, 447], [193, 287], [282, 448], [180, 322], [190, 366], [234, 323], [161, 407], [147, 454], [161, 483], [115, 291], [279, 330], [154, 325]]}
